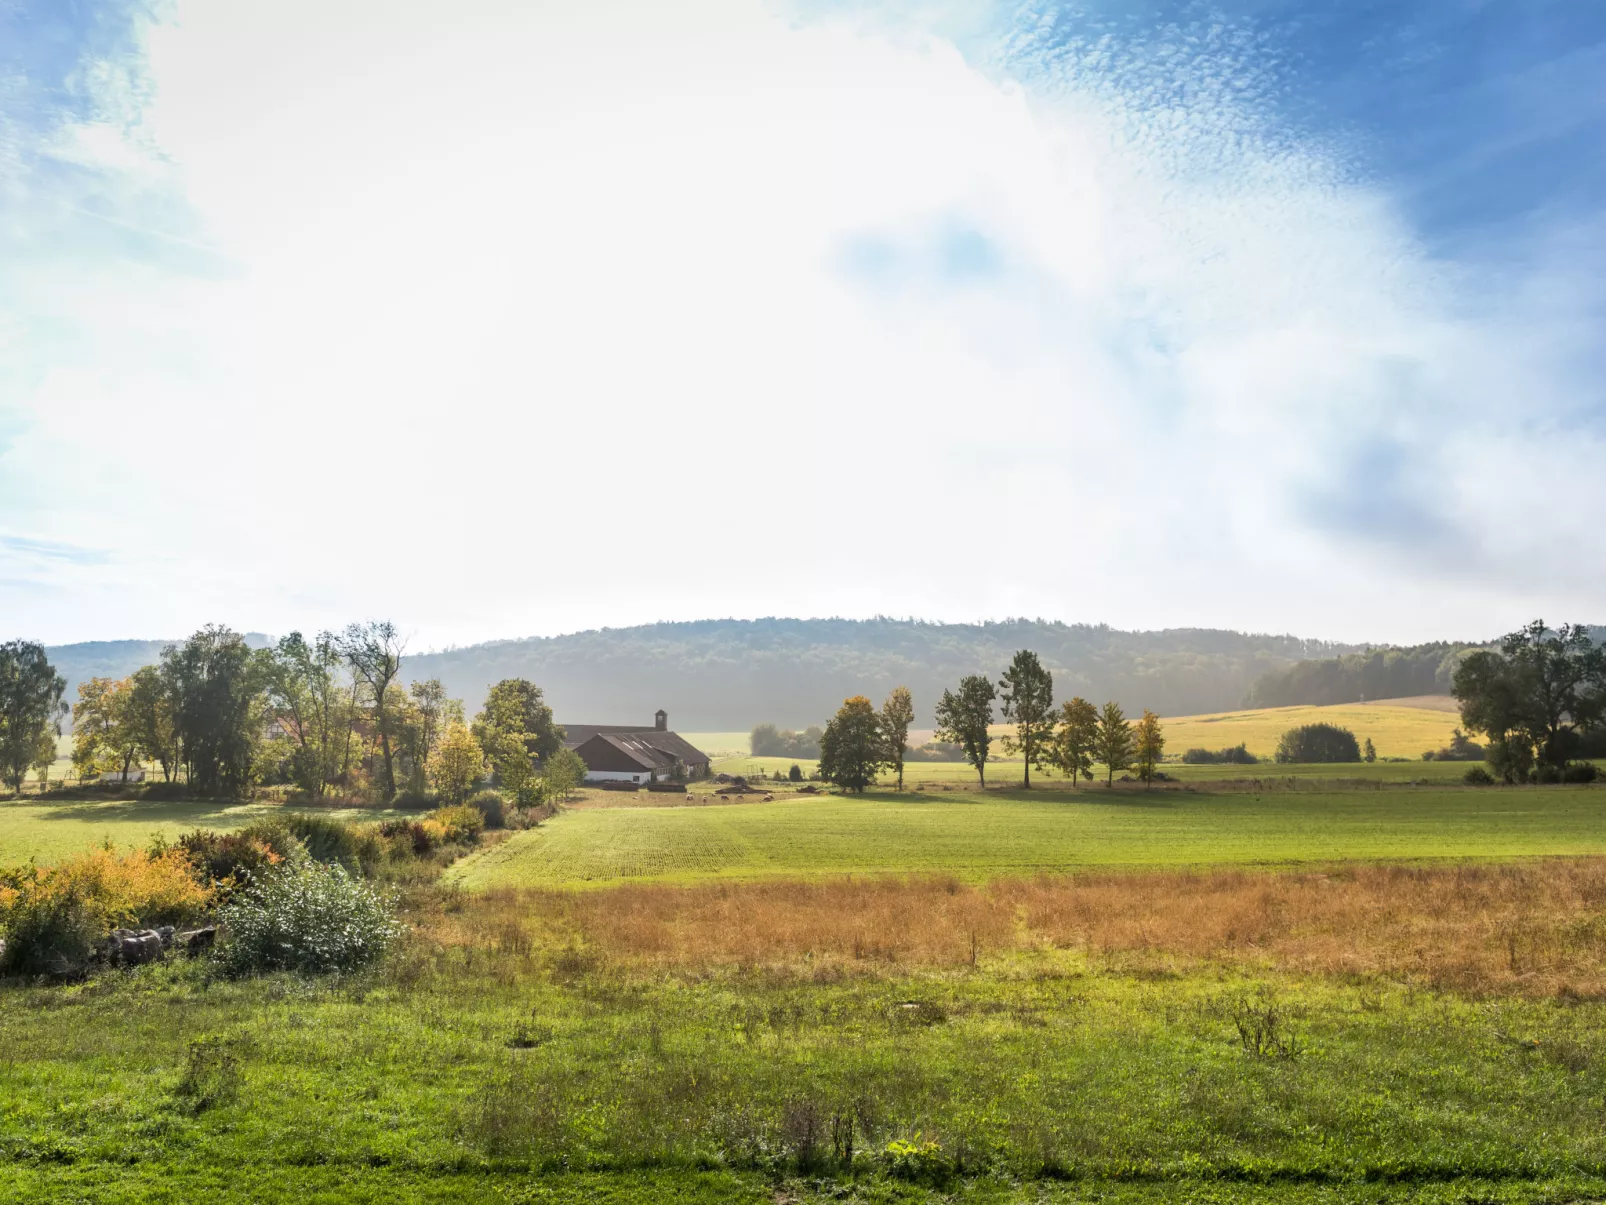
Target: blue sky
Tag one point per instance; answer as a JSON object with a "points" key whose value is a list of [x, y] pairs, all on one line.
{"points": [[1262, 315]]}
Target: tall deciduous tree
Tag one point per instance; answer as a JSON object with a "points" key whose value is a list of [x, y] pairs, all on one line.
{"points": [[149, 714], [513, 727], [1534, 695], [852, 750], [429, 715], [98, 739], [456, 763], [216, 685], [1148, 745], [964, 716], [1027, 693], [1114, 745], [312, 705], [561, 773], [31, 705], [374, 651], [897, 714], [1075, 739]]}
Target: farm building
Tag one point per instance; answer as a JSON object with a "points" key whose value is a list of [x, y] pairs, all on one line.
{"points": [[626, 753]]}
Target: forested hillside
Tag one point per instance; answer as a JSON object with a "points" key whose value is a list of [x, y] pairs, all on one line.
{"points": [[1424, 669], [730, 674]]}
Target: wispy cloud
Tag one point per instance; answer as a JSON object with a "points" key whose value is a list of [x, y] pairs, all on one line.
{"points": [[1150, 314]]}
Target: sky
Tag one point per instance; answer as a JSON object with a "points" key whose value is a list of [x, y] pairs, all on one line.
{"points": [[501, 318]]}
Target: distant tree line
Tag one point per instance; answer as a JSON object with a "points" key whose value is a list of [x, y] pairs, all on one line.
{"points": [[326, 715], [1424, 669], [767, 740], [1237, 755], [721, 675], [1072, 738]]}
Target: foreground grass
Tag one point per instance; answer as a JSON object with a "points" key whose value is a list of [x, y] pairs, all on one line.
{"points": [[1018, 833], [532, 1060]]}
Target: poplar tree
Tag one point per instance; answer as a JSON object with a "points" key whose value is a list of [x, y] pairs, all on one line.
{"points": [[1027, 693], [963, 718], [1149, 743], [1114, 745], [1075, 739], [897, 714]]}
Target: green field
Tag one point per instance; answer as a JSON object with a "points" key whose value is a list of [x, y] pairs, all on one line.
{"points": [[577, 1046], [50, 830], [1006, 771], [1018, 833]]}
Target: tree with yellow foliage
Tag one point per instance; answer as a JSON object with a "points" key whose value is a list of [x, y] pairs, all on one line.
{"points": [[457, 764], [1148, 743]]}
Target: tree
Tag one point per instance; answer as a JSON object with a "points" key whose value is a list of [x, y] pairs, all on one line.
{"points": [[30, 706], [561, 773], [374, 652], [306, 696], [1534, 696], [853, 748], [1369, 751], [514, 726], [45, 757], [1113, 746], [1075, 739], [1027, 693], [148, 711], [101, 734], [1318, 743], [795, 774], [456, 763], [897, 714], [1148, 744], [216, 685], [964, 717]]}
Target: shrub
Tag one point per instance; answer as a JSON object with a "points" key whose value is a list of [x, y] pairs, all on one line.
{"points": [[228, 860], [308, 917], [1460, 748], [492, 807], [1318, 743], [1580, 771], [1238, 755], [54, 916], [795, 774], [1477, 776], [326, 839], [409, 838], [461, 823]]}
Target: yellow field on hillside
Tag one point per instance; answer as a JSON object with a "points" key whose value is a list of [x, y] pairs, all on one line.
{"points": [[1397, 731]]}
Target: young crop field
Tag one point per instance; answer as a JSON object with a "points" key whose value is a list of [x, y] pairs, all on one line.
{"points": [[1019, 833], [1008, 771]]}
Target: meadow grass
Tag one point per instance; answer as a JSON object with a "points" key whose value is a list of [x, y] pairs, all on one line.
{"points": [[520, 1052], [1014, 833], [47, 830]]}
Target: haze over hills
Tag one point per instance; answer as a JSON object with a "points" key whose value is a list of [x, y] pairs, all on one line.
{"points": [[728, 674], [724, 674]]}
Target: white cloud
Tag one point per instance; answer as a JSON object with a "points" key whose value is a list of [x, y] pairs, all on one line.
{"points": [[502, 318]]}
